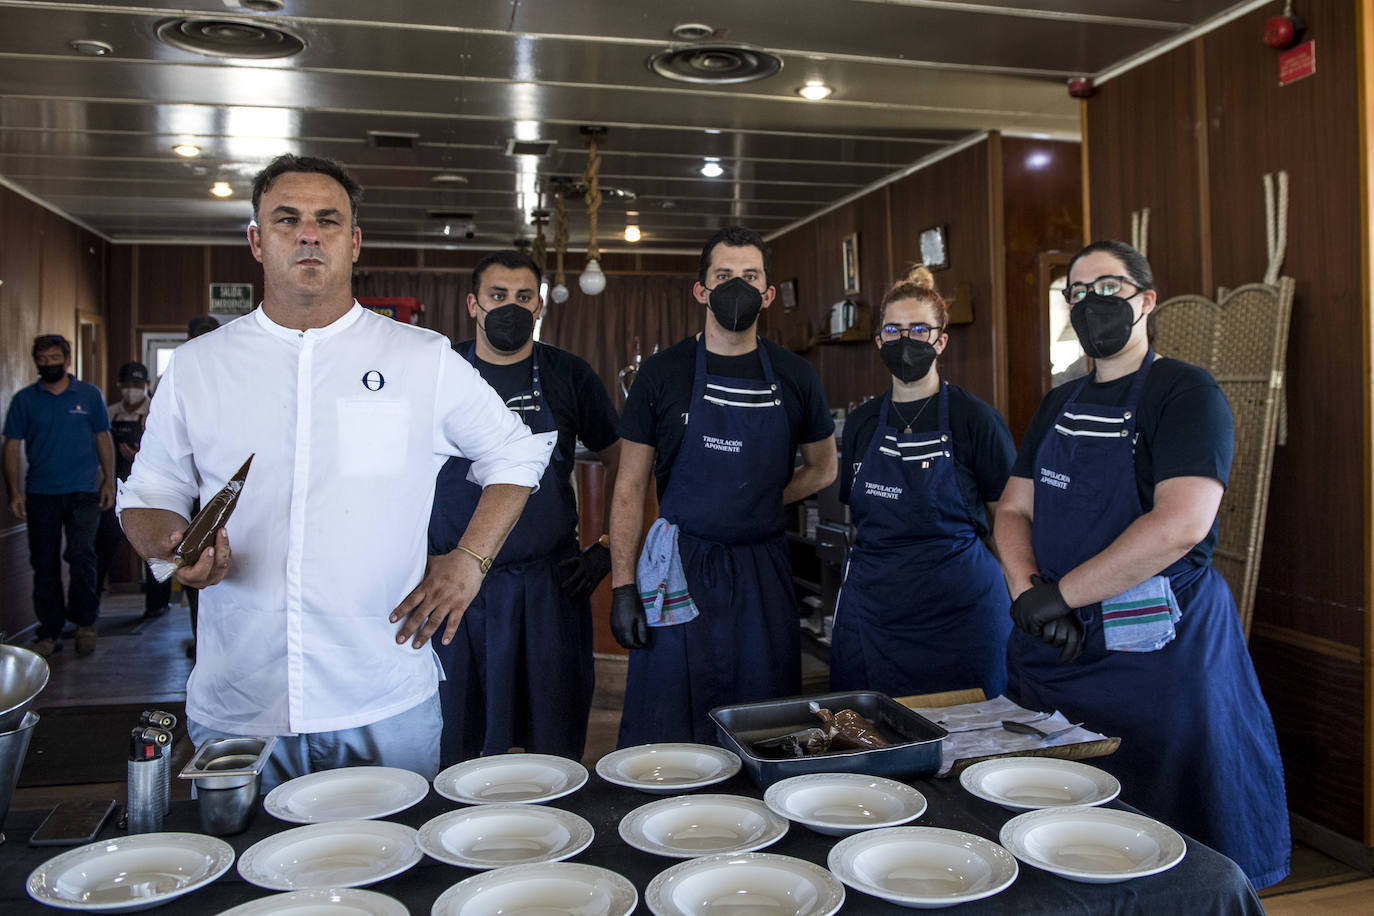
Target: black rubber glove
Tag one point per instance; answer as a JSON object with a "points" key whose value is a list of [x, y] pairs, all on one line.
{"points": [[1037, 606], [1066, 634], [628, 623], [584, 572]]}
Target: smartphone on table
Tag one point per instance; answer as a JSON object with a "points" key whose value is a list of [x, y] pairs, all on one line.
{"points": [[73, 823]]}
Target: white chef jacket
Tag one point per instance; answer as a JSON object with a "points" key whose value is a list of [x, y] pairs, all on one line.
{"points": [[348, 425]]}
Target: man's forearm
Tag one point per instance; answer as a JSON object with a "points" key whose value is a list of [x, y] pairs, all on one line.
{"points": [[496, 513], [104, 449], [804, 482], [149, 530], [627, 523], [11, 461]]}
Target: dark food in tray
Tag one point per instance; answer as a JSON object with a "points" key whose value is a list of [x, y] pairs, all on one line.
{"points": [[845, 730]]}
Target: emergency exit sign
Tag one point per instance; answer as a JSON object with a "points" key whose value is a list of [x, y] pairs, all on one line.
{"points": [[231, 298], [1298, 63]]}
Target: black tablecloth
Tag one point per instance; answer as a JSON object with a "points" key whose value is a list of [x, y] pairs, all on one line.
{"points": [[1205, 882]]}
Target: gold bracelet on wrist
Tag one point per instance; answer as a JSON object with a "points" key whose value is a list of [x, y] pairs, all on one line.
{"points": [[483, 563]]}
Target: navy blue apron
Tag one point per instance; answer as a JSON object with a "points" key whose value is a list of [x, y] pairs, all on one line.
{"points": [[924, 607], [519, 669], [1198, 749], [725, 496]]}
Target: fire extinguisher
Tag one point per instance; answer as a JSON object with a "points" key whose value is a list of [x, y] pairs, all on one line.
{"points": [[1282, 32]]}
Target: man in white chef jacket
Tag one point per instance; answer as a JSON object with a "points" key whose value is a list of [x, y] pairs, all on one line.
{"points": [[319, 599]]}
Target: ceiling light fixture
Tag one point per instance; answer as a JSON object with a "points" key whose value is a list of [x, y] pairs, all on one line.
{"points": [[711, 168], [631, 233], [186, 150], [561, 185], [592, 281], [448, 178], [814, 91], [221, 189], [92, 48]]}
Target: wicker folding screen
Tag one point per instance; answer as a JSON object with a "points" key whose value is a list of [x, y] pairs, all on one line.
{"points": [[1241, 340]]}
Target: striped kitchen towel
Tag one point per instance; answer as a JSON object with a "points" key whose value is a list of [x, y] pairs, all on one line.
{"points": [[1141, 619], [662, 584]]}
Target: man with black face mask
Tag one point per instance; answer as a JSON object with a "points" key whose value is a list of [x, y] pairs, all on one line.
{"points": [[519, 670], [710, 614], [66, 434]]}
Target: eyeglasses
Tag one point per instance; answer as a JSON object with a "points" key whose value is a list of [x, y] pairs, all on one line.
{"points": [[1103, 286], [924, 332]]}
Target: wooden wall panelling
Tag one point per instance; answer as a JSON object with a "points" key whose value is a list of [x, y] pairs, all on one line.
{"points": [[1043, 205], [1142, 148], [1314, 571], [1365, 96], [172, 285]]}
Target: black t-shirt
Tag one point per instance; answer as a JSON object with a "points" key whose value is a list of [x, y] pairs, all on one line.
{"points": [[1184, 428], [983, 448], [581, 408], [661, 396]]}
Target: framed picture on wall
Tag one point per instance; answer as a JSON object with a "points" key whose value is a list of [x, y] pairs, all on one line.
{"points": [[849, 250], [787, 292], [933, 252]]}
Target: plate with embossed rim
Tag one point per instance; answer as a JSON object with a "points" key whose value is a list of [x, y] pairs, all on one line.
{"points": [[336, 854], [130, 873], [1093, 845], [523, 779], [346, 794], [336, 901], [838, 804], [923, 867], [1031, 783], [494, 836], [667, 769], [566, 888], [751, 882], [701, 825]]}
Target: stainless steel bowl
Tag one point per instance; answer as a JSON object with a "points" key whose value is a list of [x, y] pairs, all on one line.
{"points": [[23, 675]]}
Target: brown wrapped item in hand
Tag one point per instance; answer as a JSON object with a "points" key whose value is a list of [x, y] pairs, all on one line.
{"points": [[200, 534]]}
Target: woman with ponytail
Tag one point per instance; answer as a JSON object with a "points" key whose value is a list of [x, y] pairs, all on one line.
{"points": [[923, 607]]}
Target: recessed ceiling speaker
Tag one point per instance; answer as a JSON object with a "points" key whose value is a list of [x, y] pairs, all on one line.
{"points": [[715, 63], [229, 38]]}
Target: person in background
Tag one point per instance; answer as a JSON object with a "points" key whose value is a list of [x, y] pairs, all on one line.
{"points": [[519, 672], [349, 416], [128, 415], [1105, 531], [66, 434], [197, 326], [717, 419], [923, 607]]}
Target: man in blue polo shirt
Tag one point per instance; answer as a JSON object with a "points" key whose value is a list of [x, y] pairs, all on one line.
{"points": [[66, 434]]}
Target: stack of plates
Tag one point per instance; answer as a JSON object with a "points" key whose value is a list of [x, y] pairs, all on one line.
{"points": [[511, 779], [666, 769], [699, 825], [346, 794], [130, 873], [1093, 845], [925, 867], [493, 836]]}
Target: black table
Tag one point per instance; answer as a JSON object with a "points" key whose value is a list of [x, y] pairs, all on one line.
{"points": [[1205, 882]]}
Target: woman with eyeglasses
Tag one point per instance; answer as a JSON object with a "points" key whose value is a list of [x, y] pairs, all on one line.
{"points": [[1105, 531], [923, 607]]}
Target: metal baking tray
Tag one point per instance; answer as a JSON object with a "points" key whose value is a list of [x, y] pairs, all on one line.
{"points": [[913, 753]]}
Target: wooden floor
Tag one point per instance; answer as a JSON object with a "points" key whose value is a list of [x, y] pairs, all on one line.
{"points": [[140, 661]]}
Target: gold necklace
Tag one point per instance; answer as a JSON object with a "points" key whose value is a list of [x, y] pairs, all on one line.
{"points": [[912, 422]]}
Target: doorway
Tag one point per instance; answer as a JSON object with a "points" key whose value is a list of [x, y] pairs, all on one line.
{"points": [[157, 347], [90, 348]]}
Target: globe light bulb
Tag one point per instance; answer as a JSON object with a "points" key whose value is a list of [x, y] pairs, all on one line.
{"points": [[592, 281], [559, 294]]}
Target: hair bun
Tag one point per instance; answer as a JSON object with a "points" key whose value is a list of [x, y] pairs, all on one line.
{"points": [[920, 276]]}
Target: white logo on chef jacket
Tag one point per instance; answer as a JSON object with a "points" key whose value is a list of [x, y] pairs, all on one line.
{"points": [[1054, 478], [882, 490], [373, 380]]}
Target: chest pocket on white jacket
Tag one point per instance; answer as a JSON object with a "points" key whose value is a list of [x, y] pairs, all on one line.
{"points": [[373, 437]]}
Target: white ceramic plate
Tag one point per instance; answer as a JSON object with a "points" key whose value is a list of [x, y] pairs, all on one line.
{"points": [[667, 769], [130, 873], [838, 804], [524, 779], [1030, 783], [923, 867], [564, 888], [332, 902], [494, 836], [752, 882], [701, 825], [1093, 845], [337, 854], [346, 794]]}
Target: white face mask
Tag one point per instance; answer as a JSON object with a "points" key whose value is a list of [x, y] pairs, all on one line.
{"points": [[135, 395]]}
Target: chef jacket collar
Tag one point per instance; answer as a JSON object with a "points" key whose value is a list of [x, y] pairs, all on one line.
{"points": [[340, 324]]}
